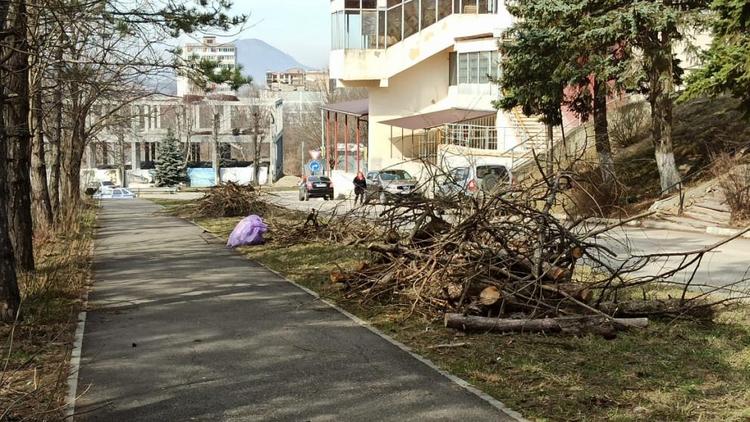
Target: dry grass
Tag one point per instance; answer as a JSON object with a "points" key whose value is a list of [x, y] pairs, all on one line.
{"points": [[703, 129], [674, 370], [36, 351]]}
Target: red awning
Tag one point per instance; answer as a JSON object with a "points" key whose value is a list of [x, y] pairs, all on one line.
{"points": [[438, 118], [356, 108]]}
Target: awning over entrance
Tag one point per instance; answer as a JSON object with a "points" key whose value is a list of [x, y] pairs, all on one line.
{"points": [[437, 118], [356, 108]]}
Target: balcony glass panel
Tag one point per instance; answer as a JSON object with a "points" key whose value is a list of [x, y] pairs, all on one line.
{"points": [[484, 6], [369, 29], [364, 25], [445, 9], [394, 25], [411, 18], [428, 13], [353, 30]]}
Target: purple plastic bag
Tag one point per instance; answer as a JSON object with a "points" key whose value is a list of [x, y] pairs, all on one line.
{"points": [[249, 231]]}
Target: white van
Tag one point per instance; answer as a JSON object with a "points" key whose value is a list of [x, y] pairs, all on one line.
{"points": [[474, 178]]}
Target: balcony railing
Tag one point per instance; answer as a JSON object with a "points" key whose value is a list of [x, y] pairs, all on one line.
{"points": [[363, 25], [480, 136]]}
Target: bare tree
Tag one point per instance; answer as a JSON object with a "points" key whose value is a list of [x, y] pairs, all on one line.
{"points": [[15, 110]]}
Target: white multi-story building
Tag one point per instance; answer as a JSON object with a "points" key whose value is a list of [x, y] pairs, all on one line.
{"points": [[428, 66], [225, 54]]}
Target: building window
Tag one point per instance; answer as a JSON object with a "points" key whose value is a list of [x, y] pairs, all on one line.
{"points": [[474, 68]]}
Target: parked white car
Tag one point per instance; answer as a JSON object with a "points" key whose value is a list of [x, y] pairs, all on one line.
{"points": [[115, 193]]}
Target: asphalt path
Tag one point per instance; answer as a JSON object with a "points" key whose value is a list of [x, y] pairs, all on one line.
{"points": [[181, 328]]}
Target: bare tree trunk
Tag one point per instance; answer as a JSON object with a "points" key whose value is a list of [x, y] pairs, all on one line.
{"points": [[71, 156], [256, 148], [15, 79], [662, 88], [550, 149], [40, 194], [10, 297], [56, 138], [601, 133], [217, 152]]}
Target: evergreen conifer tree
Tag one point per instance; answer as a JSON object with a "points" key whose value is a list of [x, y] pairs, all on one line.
{"points": [[170, 167], [726, 68]]}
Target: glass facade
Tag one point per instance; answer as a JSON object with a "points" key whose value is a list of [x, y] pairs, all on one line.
{"points": [[474, 68], [362, 25]]}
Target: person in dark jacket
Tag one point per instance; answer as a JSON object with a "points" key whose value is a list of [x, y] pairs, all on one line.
{"points": [[360, 186]]}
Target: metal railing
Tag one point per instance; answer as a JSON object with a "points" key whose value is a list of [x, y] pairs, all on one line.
{"points": [[365, 26], [480, 137]]}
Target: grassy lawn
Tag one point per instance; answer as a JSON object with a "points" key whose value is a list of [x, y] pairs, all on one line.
{"points": [[36, 351], [674, 370]]}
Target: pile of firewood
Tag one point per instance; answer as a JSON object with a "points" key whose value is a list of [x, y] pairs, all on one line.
{"points": [[505, 263]]}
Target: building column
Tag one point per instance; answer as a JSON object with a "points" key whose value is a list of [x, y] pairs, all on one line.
{"points": [[135, 156], [359, 167], [346, 143], [91, 153]]}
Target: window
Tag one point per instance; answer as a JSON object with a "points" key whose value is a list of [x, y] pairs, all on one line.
{"points": [[463, 68], [452, 70], [476, 68]]}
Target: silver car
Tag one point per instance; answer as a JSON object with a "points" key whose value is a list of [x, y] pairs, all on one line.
{"points": [[116, 193], [387, 185]]}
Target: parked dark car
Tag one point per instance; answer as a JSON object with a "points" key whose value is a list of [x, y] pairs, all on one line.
{"points": [[387, 185], [316, 187]]}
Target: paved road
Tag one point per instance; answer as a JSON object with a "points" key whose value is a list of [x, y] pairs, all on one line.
{"points": [[183, 329], [727, 264]]}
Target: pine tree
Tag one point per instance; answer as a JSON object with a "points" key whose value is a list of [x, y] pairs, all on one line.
{"points": [[170, 167], [726, 67], [553, 56]]}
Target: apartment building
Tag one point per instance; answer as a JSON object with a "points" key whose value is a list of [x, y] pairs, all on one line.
{"points": [[225, 54], [297, 79], [428, 67]]}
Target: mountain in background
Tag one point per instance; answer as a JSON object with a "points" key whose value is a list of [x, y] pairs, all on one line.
{"points": [[258, 57]]}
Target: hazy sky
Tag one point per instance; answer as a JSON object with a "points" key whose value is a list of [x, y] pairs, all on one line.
{"points": [[300, 28]]}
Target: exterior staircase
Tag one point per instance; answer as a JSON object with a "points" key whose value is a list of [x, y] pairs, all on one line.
{"points": [[702, 206], [533, 135]]}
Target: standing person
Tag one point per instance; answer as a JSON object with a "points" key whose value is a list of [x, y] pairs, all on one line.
{"points": [[360, 186]]}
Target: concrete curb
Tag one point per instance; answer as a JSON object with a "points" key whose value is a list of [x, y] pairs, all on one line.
{"points": [[666, 225], [459, 381], [69, 406]]}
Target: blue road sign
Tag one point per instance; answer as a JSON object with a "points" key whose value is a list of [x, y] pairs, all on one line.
{"points": [[315, 166]]}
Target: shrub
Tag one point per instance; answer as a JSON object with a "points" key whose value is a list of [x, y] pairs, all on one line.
{"points": [[590, 196], [628, 124], [733, 178]]}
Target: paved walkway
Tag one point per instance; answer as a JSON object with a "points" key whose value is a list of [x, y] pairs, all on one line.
{"points": [[183, 329]]}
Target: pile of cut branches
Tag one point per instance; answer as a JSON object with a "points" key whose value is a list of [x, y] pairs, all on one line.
{"points": [[229, 200], [346, 228], [502, 262]]}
